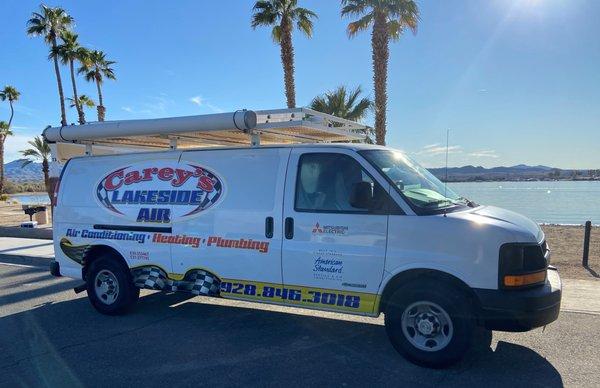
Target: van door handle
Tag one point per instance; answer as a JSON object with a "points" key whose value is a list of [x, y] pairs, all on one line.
{"points": [[289, 228], [269, 227]]}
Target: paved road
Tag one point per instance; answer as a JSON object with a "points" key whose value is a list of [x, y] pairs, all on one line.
{"points": [[50, 336]]}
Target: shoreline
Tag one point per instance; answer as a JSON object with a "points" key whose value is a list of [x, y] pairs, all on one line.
{"points": [[29, 193]]}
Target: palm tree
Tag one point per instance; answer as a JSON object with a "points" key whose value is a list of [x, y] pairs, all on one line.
{"points": [[83, 100], [39, 151], [95, 68], [68, 52], [389, 19], [343, 103], [4, 133], [11, 94], [51, 23], [282, 14]]}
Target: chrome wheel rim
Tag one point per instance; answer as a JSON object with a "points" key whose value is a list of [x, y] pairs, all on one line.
{"points": [[106, 287], [427, 326]]}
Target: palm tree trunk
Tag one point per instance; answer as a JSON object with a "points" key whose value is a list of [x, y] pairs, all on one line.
{"points": [[63, 112], [12, 113], [75, 97], [287, 59], [100, 107], [46, 171], [380, 43], [2, 138]]}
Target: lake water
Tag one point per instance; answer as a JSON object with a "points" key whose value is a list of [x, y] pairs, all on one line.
{"points": [[563, 202], [28, 199]]}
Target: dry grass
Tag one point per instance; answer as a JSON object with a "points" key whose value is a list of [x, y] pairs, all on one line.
{"points": [[566, 245]]}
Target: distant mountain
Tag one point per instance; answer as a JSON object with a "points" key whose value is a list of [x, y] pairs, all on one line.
{"points": [[518, 172], [14, 171]]}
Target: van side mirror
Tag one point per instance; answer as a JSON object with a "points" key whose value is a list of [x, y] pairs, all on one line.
{"points": [[362, 195]]}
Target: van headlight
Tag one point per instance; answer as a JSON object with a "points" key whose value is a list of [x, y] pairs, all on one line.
{"points": [[521, 265]]}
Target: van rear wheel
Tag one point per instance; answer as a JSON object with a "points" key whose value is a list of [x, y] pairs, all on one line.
{"points": [[429, 323], [110, 288]]}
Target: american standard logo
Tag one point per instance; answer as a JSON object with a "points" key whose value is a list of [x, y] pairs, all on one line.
{"points": [[159, 192], [328, 265], [329, 229]]}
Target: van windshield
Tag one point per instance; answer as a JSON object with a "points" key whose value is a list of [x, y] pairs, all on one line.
{"points": [[420, 187]]}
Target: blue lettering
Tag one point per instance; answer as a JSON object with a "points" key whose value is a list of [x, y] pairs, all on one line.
{"points": [[154, 215]]}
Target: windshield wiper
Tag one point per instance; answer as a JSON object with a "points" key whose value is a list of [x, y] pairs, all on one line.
{"points": [[468, 202], [440, 201]]}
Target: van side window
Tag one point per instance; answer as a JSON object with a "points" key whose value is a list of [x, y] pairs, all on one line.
{"points": [[325, 183]]}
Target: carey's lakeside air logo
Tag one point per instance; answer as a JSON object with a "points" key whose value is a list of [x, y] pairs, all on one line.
{"points": [[159, 192]]}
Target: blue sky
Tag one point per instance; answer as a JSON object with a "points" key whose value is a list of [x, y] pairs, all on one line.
{"points": [[516, 81]]}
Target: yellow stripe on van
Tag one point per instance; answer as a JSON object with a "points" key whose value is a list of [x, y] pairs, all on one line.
{"points": [[301, 296]]}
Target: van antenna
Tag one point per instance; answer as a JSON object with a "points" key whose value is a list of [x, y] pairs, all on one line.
{"points": [[446, 172]]}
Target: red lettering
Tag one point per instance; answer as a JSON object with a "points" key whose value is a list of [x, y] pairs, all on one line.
{"points": [[182, 177], [147, 173], [206, 184], [109, 180], [165, 174], [132, 177]]}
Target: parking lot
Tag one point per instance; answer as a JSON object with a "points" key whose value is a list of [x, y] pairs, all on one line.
{"points": [[52, 337]]}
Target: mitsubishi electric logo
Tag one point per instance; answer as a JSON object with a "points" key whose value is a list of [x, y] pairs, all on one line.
{"points": [[329, 229]]}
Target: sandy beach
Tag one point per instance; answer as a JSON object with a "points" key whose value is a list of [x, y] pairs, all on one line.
{"points": [[566, 246]]}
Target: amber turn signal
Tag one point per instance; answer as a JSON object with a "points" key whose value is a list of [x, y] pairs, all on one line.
{"points": [[524, 280]]}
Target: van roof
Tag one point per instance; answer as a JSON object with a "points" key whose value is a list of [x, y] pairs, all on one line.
{"points": [[352, 146]]}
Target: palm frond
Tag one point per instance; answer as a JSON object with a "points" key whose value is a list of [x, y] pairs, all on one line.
{"points": [[265, 14], [276, 34], [360, 25], [39, 150], [342, 103], [354, 7], [304, 22]]}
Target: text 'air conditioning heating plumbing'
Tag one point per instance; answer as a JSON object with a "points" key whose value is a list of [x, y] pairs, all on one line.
{"points": [[159, 192]]}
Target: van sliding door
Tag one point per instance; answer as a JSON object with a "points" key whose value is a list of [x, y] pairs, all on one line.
{"points": [[234, 229]]}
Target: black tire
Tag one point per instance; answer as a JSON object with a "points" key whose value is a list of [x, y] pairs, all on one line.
{"points": [[456, 337], [127, 293]]}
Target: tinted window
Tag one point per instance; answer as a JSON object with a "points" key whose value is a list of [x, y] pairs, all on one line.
{"points": [[325, 182]]}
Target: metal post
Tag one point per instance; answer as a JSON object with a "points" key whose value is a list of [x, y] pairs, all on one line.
{"points": [[255, 139], [586, 243]]}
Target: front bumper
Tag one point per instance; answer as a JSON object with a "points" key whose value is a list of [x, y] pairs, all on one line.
{"points": [[521, 310]]}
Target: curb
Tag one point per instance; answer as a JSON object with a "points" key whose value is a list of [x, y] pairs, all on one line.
{"points": [[35, 233]]}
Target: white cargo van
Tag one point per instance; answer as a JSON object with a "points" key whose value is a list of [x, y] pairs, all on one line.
{"points": [[350, 228]]}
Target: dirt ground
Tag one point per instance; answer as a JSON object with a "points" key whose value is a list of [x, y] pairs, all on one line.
{"points": [[11, 214], [566, 246]]}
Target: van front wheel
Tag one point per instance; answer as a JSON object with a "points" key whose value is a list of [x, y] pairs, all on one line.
{"points": [[109, 286], [429, 324]]}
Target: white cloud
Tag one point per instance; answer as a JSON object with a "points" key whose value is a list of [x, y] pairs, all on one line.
{"points": [[198, 100], [155, 106], [431, 145], [203, 103], [13, 146], [437, 149], [484, 154]]}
